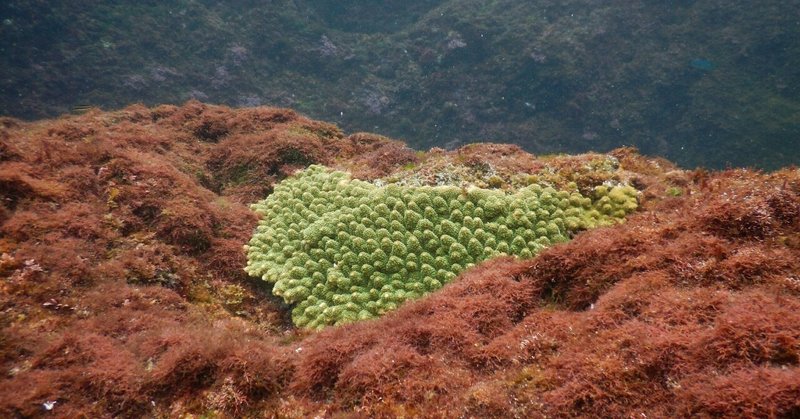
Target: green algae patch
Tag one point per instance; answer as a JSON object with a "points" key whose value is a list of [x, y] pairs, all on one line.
{"points": [[342, 250]]}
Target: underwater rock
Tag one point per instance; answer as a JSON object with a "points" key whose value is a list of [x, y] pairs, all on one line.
{"points": [[702, 64], [123, 294]]}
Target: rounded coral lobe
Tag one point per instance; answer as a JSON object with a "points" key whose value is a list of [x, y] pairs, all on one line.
{"points": [[342, 250]]}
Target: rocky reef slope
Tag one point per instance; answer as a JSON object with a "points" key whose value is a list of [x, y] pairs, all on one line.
{"points": [[705, 82], [123, 291]]}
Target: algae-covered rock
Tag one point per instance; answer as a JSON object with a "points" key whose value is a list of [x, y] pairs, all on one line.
{"points": [[342, 250]]}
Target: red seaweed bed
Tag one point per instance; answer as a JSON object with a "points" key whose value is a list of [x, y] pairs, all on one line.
{"points": [[122, 295]]}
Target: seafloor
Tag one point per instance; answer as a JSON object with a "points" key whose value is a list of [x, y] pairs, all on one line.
{"points": [[123, 294]]}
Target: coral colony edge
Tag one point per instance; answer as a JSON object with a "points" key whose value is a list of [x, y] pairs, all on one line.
{"points": [[198, 260]]}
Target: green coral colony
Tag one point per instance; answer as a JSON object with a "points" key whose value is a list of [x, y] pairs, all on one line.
{"points": [[342, 250]]}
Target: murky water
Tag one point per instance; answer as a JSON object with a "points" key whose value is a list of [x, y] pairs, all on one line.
{"points": [[708, 82]]}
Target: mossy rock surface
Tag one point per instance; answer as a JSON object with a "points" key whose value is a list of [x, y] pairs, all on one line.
{"points": [[342, 250]]}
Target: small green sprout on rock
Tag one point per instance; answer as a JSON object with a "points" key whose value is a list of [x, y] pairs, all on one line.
{"points": [[674, 191], [342, 250]]}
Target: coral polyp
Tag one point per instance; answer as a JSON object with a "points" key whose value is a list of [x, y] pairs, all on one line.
{"points": [[341, 249]]}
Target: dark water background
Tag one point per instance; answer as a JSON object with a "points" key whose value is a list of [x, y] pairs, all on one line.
{"points": [[707, 82]]}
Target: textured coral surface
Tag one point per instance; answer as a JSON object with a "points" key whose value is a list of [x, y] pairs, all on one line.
{"points": [[345, 249], [123, 294]]}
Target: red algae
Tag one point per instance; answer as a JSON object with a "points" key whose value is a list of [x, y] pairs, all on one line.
{"points": [[653, 316], [114, 228], [122, 291]]}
